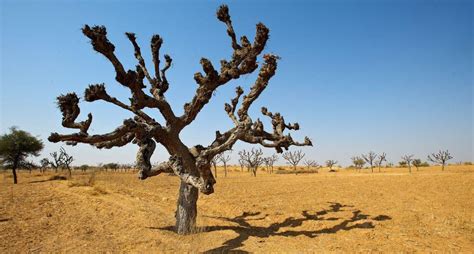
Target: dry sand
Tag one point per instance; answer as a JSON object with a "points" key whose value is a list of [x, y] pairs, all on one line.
{"points": [[392, 211]]}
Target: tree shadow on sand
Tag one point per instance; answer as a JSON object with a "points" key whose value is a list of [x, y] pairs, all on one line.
{"points": [[244, 229]]}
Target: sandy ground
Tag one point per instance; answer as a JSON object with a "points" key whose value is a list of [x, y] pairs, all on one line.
{"points": [[392, 211]]}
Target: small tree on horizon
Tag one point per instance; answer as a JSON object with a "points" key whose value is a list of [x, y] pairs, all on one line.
{"points": [[380, 159], [270, 161], [358, 162], [224, 158], [417, 163], [441, 158], [370, 159], [44, 163], [311, 164], [16, 147], [253, 159], [66, 160], [330, 164], [293, 158], [408, 159]]}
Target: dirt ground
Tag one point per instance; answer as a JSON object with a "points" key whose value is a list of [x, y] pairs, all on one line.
{"points": [[393, 211]]}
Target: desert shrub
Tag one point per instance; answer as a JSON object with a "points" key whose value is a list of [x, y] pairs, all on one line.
{"points": [[467, 163]]}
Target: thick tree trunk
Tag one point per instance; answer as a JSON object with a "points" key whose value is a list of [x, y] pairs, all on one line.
{"points": [[186, 211]]}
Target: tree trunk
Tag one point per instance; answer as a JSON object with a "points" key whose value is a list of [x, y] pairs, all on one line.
{"points": [[225, 170], [15, 165], [15, 181], [442, 167], [186, 211]]}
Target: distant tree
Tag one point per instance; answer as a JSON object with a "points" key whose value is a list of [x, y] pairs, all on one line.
{"points": [[402, 164], [66, 160], [242, 164], [56, 162], [330, 164], [84, 167], [224, 158], [270, 161], [408, 159], [253, 159], [417, 163], [441, 158], [293, 158], [44, 165], [380, 159], [370, 159], [214, 162], [358, 162], [15, 147], [311, 164], [112, 166]]}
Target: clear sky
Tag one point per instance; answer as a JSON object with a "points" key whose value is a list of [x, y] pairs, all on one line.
{"points": [[383, 76]]}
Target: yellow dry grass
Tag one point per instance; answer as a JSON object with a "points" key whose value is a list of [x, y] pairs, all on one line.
{"points": [[392, 211]]}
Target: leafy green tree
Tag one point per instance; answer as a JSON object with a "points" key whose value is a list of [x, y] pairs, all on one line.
{"points": [[15, 147]]}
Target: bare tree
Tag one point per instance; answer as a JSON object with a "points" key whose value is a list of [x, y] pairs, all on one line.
{"points": [[270, 161], [57, 162], [66, 160], [417, 163], [370, 159], [191, 164], [44, 163], [380, 159], [441, 158], [311, 164], [242, 164], [214, 162], [224, 158], [408, 159], [358, 162], [253, 159], [293, 158], [330, 164]]}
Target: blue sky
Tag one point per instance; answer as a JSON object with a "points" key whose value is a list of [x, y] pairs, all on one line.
{"points": [[359, 76]]}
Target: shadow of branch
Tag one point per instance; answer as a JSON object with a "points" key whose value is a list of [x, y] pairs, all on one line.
{"points": [[245, 230]]}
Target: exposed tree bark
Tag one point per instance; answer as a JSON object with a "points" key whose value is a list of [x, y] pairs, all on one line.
{"points": [[191, 164], [186, 211]]}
